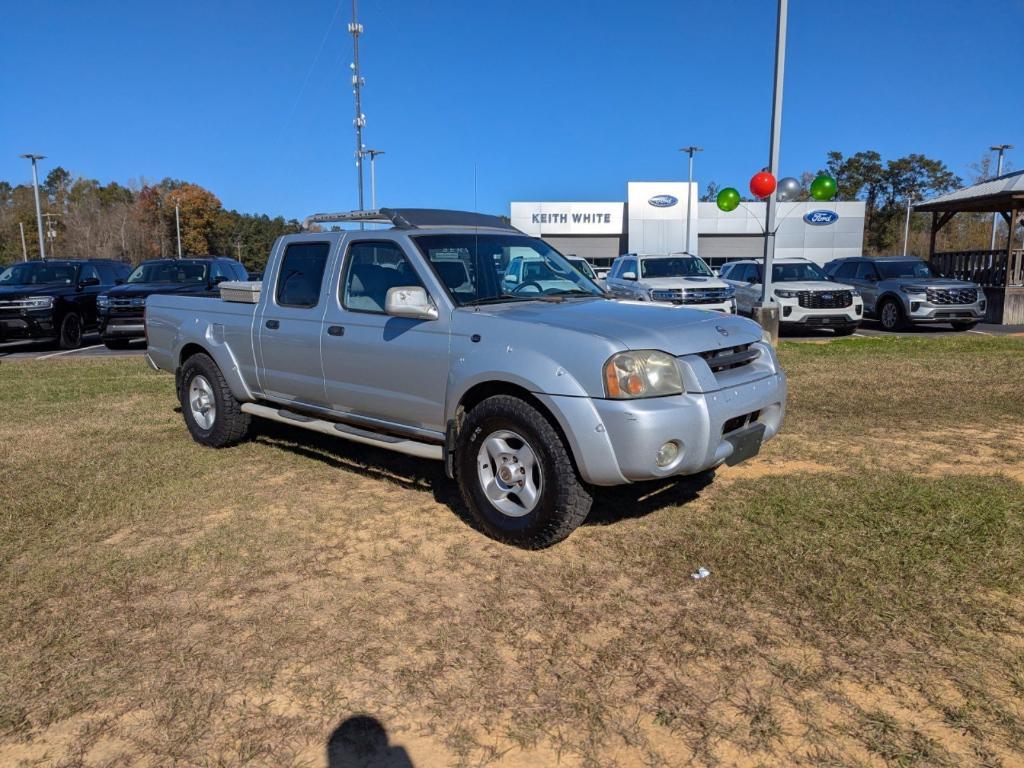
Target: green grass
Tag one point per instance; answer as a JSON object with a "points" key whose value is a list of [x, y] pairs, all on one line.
{"points": [[165, 603]]}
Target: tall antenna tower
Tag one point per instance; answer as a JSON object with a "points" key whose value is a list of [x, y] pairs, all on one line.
{"points": [[356, 29]]}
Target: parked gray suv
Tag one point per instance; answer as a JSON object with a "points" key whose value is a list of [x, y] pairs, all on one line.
{"points": [[530, 392], [902, 290]]}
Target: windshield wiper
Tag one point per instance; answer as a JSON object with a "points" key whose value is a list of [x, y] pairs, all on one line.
{"points": [[505, 297]]}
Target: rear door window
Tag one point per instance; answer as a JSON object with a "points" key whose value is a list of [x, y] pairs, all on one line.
{"points": [[301, 274]]}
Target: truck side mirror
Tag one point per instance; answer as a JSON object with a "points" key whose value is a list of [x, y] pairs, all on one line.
{"points": [[89, 281], [629, 275], [410, 301], [511, 278]]}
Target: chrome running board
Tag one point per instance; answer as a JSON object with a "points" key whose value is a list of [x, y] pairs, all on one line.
{"points": [[355, 434]]}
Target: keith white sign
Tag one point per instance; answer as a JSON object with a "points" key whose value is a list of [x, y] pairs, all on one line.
{"points": [[568, 218]]}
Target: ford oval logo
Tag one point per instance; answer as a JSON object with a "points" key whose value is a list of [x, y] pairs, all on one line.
{"points": [[663, 201], [821, 218]]}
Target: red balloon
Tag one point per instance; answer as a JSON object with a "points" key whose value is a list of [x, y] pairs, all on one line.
{"points": [[762, 184]]}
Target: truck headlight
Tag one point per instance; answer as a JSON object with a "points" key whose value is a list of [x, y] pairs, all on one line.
{"points": [[103, 301], [783, 293], [642, 373], [38, 302]]}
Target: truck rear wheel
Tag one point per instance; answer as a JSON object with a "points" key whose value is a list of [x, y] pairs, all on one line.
{"points": [[212, 414], [516, 475]]}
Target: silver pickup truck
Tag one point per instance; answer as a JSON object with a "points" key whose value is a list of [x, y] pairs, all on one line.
{"points": [[408, 339]]}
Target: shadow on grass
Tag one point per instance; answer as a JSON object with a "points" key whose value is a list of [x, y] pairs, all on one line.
{"points": [[610, 504], [361, 742]]}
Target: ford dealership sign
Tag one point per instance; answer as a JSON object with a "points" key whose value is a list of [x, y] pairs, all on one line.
{"points": [[663, 201], [821, 218]]}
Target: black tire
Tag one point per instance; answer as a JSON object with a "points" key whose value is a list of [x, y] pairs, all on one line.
{"points": [[117, 343], [890, 315], [70, 331], [845, 330], [963, 326], [229, 425], [563, 501]]}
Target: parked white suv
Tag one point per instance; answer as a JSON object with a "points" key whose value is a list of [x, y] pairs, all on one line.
{"points": [[806, 296], [678, 278]]}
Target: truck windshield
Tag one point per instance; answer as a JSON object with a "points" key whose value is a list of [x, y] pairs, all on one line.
{"points": [[677, 266], [486, 268], [169, 271], [39, 273], [583, 266], [792, 273], [908, 268]]}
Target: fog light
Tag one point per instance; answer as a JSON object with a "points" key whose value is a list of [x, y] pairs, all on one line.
{"points": [[667, 453], [787, 311], [915, 305]]}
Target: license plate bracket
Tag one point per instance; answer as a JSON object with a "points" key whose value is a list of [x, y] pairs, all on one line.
{"points": [[746, 443]]}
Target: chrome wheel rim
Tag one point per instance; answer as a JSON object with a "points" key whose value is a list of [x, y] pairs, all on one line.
{"points": [[202, 402], [889, 315], [509, 473]]}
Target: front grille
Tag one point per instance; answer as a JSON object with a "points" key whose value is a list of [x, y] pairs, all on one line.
{"points": [[18, 304], [952, 295], [738, 422], [127, 303], [692, 295], [825, 299], [731, 357]]}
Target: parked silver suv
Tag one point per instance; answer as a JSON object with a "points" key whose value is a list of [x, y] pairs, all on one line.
{"points": [[902, 290], [531, 391], [678, 278]]}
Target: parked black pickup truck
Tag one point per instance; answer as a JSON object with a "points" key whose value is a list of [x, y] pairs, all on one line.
{"points": [[54, 300], [122, 309]]}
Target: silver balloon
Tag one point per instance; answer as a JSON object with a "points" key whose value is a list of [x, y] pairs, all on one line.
{"points": [[789, 189]]}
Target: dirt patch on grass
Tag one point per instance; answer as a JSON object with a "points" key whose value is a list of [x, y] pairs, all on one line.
{"points": [[299, 601]]}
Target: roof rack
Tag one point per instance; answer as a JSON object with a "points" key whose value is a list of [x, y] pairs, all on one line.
{"points": [[413, 218]]}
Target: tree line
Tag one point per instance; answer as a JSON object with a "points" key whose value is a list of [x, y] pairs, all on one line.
{"points": [[887, 186], [87, 219]]}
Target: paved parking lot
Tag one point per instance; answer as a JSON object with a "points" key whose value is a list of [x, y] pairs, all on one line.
{"points": [[92, 347]]}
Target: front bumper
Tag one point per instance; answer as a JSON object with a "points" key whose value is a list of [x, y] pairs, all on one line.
{"points": [[616, 441], [118, 326], [27, 325], [919, 310], [791, 313]]}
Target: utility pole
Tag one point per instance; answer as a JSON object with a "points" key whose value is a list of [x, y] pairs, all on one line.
{"points": [[1000, 148], [906, 224], [689, 186], [51, 232], [356, 29], [767, 314], [24, 248], [373, 174], [177, 226], [238, 248], [39, 208]]}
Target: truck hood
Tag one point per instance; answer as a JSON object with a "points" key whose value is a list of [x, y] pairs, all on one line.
{"points": [[23, 291], [931, 282], [678, 330], [150, 289], [812, 285], [662, 283]]}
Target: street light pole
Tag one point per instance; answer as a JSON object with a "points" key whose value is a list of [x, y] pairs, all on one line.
{"points": [[767, 314], [177, 227], [689, 187], [373, 174], [39, 208], [1000, 148], [906, 224]]}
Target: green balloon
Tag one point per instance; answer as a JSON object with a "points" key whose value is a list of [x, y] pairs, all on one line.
{"points": [[728, 199], [823, 188]]}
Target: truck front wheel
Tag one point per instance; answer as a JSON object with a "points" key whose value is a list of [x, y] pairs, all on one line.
{"points": [[516, 475], [212, 414]]}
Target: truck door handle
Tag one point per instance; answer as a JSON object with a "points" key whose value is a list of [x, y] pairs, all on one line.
{"points": [[273, 324], [335, 330]]}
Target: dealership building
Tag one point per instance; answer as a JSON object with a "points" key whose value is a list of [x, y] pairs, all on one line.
{"points": [[653, 220]]}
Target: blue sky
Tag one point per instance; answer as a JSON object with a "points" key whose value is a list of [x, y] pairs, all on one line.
{"points": [[477, 103]]}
